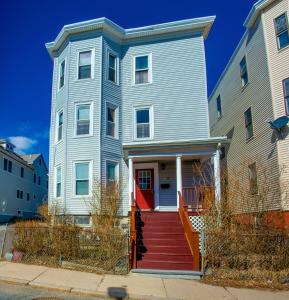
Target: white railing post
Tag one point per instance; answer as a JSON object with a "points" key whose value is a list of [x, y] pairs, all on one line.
{"points": [[179, 176], [130, 178]]}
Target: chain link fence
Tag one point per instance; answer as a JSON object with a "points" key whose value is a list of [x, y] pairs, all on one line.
{"points": [[66, 246]]}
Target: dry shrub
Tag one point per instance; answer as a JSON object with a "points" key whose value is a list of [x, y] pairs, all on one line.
{"points": [[239, 244]]}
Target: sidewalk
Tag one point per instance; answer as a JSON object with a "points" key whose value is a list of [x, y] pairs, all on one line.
{"points": [[132, 286]]}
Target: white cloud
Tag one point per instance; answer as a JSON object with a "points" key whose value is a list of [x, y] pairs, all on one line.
{"points": [[22, 143]]}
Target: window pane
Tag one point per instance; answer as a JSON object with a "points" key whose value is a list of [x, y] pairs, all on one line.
{"points": [[81, 220], [283, 39], [141, 62], [141, 77], [62, 68], [143, 131], [82, 187], [111, 75], [280, 23], [58, 175], [219, 106], [82, 170], [60, 118], [245, 78], [248, 117], [111, 176], [143, 116], [110, 114], [286, 87], [5, 164], [85, 58], [111, 129], [112, 61], [84, 72], [58, 189], [83, 112]]}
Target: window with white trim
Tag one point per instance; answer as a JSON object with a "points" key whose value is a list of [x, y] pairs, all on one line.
{"points": [[281, 30], [219, 107], [62, 74], [286, 94], [82, 178], [85, 64], [58, 182], [142, 69], [111, 121], [111, 172], [112, 67], [59, 126], [81, 220], [248, 123], [243, 71], [83, 122], [143, 123]]}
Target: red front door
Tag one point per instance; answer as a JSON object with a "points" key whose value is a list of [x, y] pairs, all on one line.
{"points": [[144, 179]]}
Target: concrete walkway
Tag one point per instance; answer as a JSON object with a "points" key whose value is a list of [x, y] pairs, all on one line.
{"points": [[132, 286]]}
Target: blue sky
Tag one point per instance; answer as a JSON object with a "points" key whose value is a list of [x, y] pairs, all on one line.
{"points": [[25, 26]]}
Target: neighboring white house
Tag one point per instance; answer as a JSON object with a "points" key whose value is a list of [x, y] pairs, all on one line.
{"points": [[23, 183], [252, 91]]}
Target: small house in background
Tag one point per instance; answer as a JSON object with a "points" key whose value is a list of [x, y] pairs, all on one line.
{"points": [[23, 183], [250, 105]]}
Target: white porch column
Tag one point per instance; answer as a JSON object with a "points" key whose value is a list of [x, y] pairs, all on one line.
{"points": [[130, 178], [217, 176], [179, 176]]}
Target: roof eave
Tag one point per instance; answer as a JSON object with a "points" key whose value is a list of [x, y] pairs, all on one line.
{"points": [[204, 24]]}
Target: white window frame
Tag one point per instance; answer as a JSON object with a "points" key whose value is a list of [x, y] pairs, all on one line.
{"points": [[90, 178], [92, 61], [59, 68], [116, 129], [150, 77], [151, 115], [243, 85], [110, 52], [278, 34], [55, 182], [57, 125], [90, 119], [82, 225]]}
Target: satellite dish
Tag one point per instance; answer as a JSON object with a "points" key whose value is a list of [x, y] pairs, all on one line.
{"points": [[279, 123]]}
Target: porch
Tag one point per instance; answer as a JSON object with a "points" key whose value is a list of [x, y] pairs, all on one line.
{"points": [[166, 181], [157, 176]]}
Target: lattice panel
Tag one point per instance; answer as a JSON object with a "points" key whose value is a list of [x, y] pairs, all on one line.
{"points": [[199, 224]]}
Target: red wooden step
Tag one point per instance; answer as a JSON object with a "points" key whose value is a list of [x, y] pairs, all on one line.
{"points": [[162, 235], [165, 249], [164, 265], [167, 257], [161, 229], [165, 242]]}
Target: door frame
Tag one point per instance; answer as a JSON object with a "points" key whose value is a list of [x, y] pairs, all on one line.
{"points": [[155, 167]]}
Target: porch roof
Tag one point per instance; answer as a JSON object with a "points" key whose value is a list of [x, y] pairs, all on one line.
{"points": [[136, 148]]}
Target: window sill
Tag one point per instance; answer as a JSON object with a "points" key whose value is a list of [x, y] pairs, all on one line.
{"points": [[61, 89], [112, 82], [250, 139], [143, 139], [84, 79], [59, 142], [82, 136], [112, 137], [244, 86], [279, 50], [142, 84]]}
